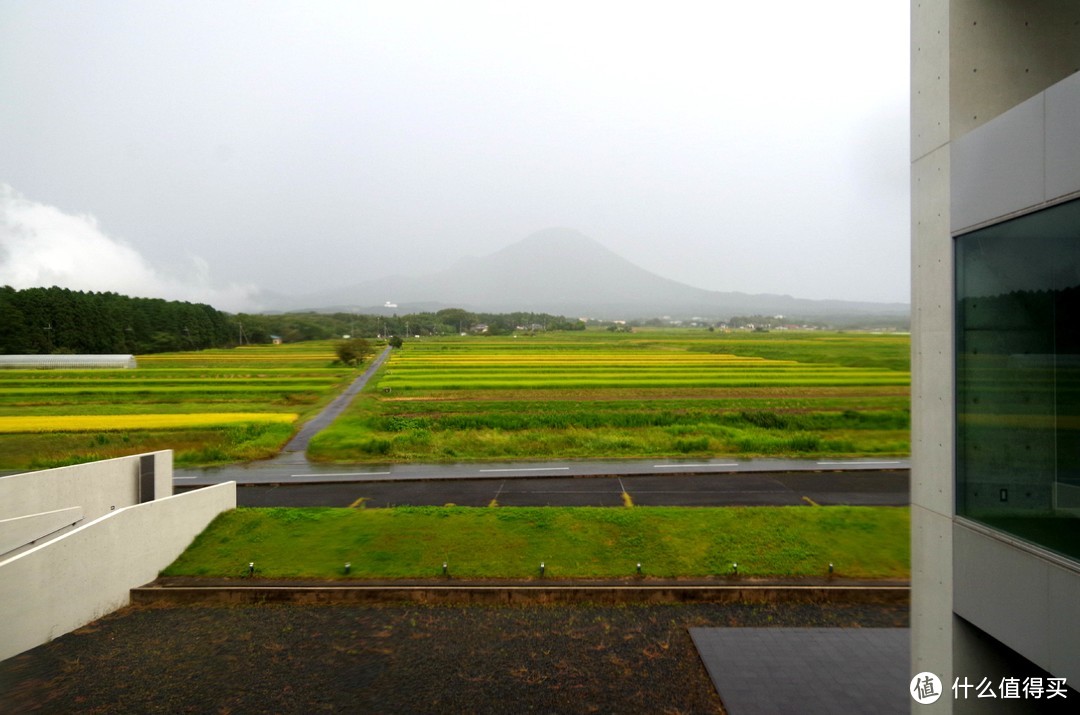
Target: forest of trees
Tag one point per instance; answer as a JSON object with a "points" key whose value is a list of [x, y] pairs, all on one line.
{"points": [[52, 320], [58, 320]]}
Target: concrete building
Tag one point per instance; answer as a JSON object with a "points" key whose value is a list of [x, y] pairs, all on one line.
{"points": [[75, 540], [995, 144]]}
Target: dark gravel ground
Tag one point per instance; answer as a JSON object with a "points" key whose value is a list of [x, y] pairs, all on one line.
{"points": [[395, 659]]}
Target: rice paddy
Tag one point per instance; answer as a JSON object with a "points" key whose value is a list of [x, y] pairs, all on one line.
{"points": [[212, 406], [650, 394], [660, 393], [109, 423]]}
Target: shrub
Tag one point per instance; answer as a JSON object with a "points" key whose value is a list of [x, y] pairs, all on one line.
{"points": [[699, 444], [376, 446]]}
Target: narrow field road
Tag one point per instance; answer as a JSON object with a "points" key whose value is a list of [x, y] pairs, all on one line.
{"points": [[299, 443]]}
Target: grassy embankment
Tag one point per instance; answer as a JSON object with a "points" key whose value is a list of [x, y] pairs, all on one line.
{"points": [[212, 406], [670, 393], [414, 542]]}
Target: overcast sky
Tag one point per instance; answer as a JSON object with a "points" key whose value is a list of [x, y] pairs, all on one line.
{"points": [[203, 150]]}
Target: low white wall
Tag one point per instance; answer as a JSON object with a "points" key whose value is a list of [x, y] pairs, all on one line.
{"points": [[97, 487], [24, 530], [86, 573]]}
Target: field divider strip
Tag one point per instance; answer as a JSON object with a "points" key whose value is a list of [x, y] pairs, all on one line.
{"points": [[856, 464], [339, 474], [678, 466], [527, 469]]}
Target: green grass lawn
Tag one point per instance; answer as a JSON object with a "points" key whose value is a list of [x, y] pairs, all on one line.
{"points": [[573, 542]]}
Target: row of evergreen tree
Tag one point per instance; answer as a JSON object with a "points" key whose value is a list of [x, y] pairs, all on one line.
{"points": [[58, 320], [51, 320]]}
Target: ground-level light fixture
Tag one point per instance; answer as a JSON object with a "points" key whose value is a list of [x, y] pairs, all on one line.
{"points": [[541, 568], [735, 569], [348, 566], [251, 568]]}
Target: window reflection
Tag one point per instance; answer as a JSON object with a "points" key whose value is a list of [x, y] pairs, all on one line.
{"points": [[1018, 377]]}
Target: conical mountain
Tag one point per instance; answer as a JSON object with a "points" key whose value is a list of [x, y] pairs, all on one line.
{"points": [[559, 268], [562, 271]]}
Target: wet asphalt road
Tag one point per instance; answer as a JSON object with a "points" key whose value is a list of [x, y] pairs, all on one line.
{"points": [[853, 487]]}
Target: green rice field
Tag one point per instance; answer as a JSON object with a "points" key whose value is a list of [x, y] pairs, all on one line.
{"points": [[664, 393], [591, 394], [212, 406]]}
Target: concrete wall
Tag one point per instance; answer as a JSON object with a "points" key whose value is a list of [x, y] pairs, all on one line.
{"points": [[1036, 598], [25, 531], [971, 62], [68, 581], [1003, 52], [29, 502], [98, 487], [932, 348], [1006, 167]]}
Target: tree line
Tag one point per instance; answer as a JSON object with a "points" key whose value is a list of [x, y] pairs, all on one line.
{"points": [[60, 320], [294, 327]]}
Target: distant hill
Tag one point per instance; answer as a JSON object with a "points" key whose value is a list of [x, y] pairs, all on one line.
{"points": [[564, 272]]}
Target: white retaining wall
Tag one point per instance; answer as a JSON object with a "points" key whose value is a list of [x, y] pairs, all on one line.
{"points": [[71, 580], [97, 487]]}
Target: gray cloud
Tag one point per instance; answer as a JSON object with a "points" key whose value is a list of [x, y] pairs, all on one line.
{"points": [[43, 246], [295, 146]]}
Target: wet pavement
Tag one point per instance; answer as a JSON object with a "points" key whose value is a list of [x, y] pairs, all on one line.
{"points": [[762, 671], [293, 467], [857, 488]]}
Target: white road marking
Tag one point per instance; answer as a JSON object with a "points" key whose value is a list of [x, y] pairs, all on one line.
{"points": [[340, 474], [527, 469], [185, 477], [677, 466]]}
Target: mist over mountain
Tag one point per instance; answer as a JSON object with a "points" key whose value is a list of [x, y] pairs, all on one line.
{"points": [[563, 272]]}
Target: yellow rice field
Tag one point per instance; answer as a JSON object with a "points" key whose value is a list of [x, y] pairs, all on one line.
{"points": [[107, 423]]}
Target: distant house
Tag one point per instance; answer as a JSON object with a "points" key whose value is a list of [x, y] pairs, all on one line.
{"points": [[480, 328], [276, 339], [67, 362]]}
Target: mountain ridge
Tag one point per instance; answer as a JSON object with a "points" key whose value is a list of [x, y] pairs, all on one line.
{"points": [[562, 271]]}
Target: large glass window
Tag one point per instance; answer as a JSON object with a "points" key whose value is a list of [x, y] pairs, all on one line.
{"points": [[1018, 377]]}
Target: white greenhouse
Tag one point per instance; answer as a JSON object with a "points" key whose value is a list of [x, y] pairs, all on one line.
{"points": [[66, 362]]}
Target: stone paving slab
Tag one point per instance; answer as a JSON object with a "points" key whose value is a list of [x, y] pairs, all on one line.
{"points": [[765, 671]]}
